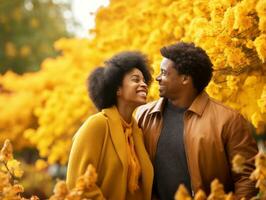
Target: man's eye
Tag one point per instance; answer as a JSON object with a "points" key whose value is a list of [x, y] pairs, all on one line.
{"points": [[163, 72]]}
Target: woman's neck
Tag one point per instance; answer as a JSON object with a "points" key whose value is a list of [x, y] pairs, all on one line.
{"points": [[125, 111]]}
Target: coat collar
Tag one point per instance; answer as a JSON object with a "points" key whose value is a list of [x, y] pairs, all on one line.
{"points": [[116, 133], [158, 107], [197, 106], [119, 141]]}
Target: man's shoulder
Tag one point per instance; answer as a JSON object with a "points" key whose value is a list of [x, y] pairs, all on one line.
{"points": [[146, 109], [148, 106], [223, 108]]}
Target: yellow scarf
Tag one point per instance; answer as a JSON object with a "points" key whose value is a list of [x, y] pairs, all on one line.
{"points": [[134, 168]]}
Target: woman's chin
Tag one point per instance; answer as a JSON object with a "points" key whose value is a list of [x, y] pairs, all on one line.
{"points": [[139, 103]]}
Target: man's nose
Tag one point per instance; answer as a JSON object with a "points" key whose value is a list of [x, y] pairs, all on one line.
{"points": [[158, 78]]}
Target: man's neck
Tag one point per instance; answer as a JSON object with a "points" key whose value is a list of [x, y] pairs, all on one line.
{"points": [[185, 100]]}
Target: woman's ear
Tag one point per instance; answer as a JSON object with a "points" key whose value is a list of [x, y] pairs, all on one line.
{"points": [[118, 92]]}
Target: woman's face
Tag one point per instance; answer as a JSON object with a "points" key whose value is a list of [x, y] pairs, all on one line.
{"points": [[133, 91]]}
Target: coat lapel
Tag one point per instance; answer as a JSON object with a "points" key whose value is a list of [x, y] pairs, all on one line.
{"points": [[117, 134]]}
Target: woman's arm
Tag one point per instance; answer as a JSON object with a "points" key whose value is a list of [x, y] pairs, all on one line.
{"points": [[86, 149]]}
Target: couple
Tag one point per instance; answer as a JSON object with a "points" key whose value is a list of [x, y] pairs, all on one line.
{"points": [[184, 137]]}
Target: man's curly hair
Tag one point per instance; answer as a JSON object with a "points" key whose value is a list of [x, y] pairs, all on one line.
{"points": [[104, 82], [190, 60]]}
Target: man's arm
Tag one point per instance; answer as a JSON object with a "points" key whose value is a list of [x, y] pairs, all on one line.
{"points": [[239, 140]]}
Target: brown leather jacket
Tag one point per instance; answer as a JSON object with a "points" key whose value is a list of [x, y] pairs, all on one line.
{"points": [[213, 135]]}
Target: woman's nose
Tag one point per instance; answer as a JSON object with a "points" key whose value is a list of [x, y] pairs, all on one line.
{"points": [[144, 84]]}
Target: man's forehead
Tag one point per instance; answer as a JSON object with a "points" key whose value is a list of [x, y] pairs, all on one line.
{"points": [[166, 63]]}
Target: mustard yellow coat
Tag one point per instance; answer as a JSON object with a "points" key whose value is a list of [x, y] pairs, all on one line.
{"points": [[101, 142]]}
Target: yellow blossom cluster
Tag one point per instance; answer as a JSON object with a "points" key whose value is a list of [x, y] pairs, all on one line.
{"points": [[47, 107], [259, 174], [10, 170], [10, 189], [217, 193]]}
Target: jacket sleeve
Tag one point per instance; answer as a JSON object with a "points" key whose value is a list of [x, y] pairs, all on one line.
{"points": [[86, 149], [240, 141]]}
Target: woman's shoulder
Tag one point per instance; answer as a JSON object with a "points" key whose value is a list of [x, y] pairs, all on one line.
{"points": [[98, 119], [94, 126]]}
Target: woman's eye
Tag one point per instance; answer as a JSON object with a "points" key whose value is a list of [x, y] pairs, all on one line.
{"points": [[135, 80]]}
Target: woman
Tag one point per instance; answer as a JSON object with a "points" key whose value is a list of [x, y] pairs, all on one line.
{"points": [[111, 140]]}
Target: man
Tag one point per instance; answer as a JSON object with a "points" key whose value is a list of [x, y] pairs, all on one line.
{"points": [[191, 138]]}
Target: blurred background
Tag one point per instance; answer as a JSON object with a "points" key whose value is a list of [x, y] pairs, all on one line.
{"points": [[48, 48], [30, 27]]}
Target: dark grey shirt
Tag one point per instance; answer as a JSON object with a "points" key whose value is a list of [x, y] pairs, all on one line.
{"points": [[170, 160]]}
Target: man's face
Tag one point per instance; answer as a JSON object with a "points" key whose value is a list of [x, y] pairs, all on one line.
{"points": [[169, 80]]}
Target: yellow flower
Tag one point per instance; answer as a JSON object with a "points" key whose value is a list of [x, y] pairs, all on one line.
{"points": [[34, 198], [261, 10], [80, 184], [217, 191], [41, 164], [14, 167], [6, 153], [235, 57], [61, 189], [260, 44], [242, 20], [17, 188], [74, 195], [258, 122], [12, 192], [90, 177], [200, 195], [250, 81], [182, 193], [262, 101], [238, 163], [228, 20], [259, 174], [232, 82], [230, 196], [4, 180]]}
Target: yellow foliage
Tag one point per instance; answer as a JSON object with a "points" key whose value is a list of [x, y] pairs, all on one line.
{"points": [[200, 195], [25, 51], [45, 108], [10, 49], [217, 191], [238, 163], [41, 165], [182, 193], [14, 167], [6, 153]]}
